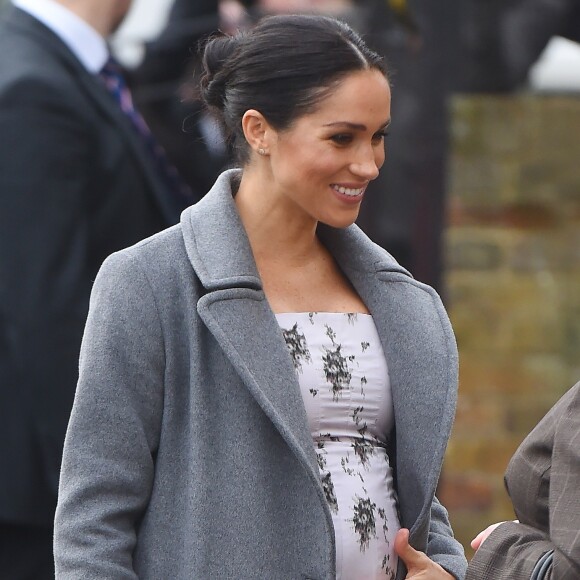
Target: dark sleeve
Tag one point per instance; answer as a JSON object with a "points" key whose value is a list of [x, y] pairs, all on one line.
{"points": [[512, 550], [45, 180]]}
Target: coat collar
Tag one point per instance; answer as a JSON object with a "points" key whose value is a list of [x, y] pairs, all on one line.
{"points": [[216, 241], [220, 252], [414, 329]]}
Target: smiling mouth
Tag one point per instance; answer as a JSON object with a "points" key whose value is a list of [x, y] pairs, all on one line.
{"points": [[348, 191]]}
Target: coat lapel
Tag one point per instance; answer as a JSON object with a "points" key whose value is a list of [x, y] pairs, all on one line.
{"points": [[422, 360], [246, 329], [236, 312]]}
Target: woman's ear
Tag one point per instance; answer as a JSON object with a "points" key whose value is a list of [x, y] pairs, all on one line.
{"points": [[257, 131]]}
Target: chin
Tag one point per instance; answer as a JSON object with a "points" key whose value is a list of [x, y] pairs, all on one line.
{"points": [[340, 222]]}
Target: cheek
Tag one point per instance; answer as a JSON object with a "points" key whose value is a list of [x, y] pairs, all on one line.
{"points": [[327, 160], [316, 164]]}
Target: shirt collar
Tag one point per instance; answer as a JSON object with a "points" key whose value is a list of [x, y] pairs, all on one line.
{"points": [[81, 38]]}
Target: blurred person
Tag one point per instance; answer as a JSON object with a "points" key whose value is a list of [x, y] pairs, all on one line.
{"points": [[277, 402], [77, 182], [501, 40], [543, 481], [407, 209], [526, 28], [162, 89]]}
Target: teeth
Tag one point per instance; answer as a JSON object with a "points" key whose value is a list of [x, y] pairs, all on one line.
{"points": [[348, 191]]}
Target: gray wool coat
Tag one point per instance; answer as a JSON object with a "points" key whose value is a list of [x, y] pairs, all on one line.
{"points": [[188, 454]]}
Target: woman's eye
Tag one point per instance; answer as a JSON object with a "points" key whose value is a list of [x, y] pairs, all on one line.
{"points": [[379, 136], [342, 139]]}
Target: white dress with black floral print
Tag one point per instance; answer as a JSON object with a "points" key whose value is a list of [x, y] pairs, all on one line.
{"points": [[344, 381]]}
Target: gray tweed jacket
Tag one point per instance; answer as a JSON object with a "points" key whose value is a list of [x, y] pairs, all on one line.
{"points": [[188, 453], [543, 480]]}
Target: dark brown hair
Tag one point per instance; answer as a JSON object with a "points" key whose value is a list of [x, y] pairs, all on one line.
{"points": [[283, 67]]}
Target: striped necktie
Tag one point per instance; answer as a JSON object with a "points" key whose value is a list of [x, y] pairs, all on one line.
{"points": [[112, 76]]}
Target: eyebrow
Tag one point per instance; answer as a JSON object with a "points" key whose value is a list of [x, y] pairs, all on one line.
{"points": [[354, 126]]}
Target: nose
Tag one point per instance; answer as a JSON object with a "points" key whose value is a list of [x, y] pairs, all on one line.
{"points": [[368, 163]]}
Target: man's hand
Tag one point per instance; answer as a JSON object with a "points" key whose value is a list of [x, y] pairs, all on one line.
{"points": [[419, 565]]}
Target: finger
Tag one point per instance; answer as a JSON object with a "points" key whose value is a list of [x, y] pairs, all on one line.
{"points": [[402, 541], [476, 542], [482, 536], [411, 557]]}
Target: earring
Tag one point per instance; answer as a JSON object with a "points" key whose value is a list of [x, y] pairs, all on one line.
{"points": [[261, 151]]}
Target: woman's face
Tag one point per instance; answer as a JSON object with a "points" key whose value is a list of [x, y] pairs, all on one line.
{"points": [[323, 163]]}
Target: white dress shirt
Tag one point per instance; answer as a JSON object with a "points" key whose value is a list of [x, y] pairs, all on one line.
{"points": [[82, 39]]}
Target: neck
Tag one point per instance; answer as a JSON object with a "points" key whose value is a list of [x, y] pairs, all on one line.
{"points": [[277, 230]]}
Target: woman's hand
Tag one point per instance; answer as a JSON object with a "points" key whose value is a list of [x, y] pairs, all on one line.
{"points": [[482, 536], [419, 565]]}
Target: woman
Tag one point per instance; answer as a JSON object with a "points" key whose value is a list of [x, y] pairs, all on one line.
{"points": [[263, 392], [543, 480]]}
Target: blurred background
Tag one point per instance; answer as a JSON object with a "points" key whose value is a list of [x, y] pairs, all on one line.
{"points": [[480, 195]]}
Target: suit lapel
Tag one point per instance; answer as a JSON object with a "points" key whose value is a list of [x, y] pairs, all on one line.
{"points": [[109, 108]]}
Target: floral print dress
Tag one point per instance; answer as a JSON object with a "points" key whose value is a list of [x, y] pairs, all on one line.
{"points": [[344, 382]]}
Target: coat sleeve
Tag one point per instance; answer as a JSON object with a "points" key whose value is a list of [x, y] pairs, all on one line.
{"points": [[513, 549], [108, 462], [442, 547]]}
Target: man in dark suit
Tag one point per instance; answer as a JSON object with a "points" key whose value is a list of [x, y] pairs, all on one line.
{"points": [[76, 183], [543, 481]]}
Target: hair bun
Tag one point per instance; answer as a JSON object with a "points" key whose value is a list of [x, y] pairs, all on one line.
{"points": [[216, 53]]}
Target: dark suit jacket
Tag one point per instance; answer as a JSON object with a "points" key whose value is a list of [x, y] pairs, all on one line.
{"points": [[543, 480], [75, 185]]}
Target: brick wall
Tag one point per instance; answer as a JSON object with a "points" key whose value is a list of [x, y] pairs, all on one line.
{"points": [[512, 284]]}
